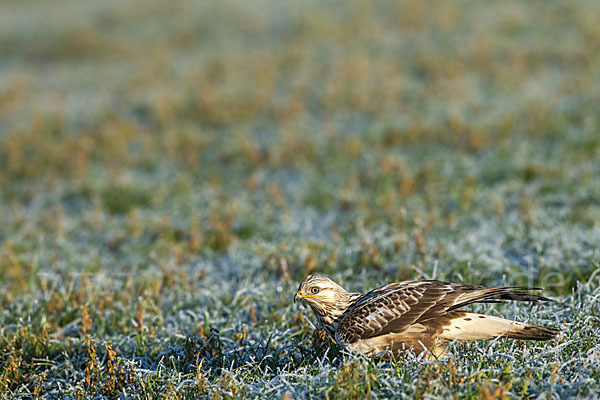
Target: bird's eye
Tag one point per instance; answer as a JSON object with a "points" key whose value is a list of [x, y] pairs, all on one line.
{"points": [[315, 290]]}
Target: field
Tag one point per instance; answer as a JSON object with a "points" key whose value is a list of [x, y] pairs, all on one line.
{"points": [[170, 172]]}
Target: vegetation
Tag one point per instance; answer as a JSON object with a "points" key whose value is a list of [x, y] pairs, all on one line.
{"points": [[170, 171]]}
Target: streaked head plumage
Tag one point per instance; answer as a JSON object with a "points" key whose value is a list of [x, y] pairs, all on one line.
{"points": [[327, 299], [316, 288]]}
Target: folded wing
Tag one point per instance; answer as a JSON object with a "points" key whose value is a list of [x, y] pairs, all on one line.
{"points": [[433, 304]]}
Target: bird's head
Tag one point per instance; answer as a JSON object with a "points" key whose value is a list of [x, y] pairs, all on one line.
{"points": [[327, 299]]}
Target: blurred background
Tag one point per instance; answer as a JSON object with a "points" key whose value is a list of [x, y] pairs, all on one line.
{"points": [[339, 136], [336, 136], [168, 168]]}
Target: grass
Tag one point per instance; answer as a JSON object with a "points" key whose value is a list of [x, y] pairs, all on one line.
{"points": [[169, 174]]}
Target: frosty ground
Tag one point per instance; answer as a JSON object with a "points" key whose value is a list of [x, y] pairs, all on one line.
{"points": [[170, 172]]}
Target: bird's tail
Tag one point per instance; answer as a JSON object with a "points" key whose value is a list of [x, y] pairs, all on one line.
{"points": [[473, 326]]}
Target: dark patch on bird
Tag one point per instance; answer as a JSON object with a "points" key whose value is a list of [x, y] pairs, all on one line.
{"points": [[467, 319]]}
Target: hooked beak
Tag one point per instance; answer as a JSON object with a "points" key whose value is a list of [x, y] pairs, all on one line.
{"points": [[298, 296]]}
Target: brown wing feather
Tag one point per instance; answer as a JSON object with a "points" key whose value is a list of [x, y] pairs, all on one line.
{"points": [[391, 308], [395, 307], [496, 295]]}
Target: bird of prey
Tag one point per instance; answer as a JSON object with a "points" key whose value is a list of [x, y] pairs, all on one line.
{"points": [[414, 315]]}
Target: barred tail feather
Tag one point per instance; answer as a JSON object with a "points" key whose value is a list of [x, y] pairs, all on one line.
{"points": [[473, 326]]}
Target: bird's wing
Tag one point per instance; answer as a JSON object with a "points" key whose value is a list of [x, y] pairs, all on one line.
{"points": [[394, 307], [391, 308]]}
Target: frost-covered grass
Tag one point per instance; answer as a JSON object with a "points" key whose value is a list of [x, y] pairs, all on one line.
{"points": [[170, 171]]}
